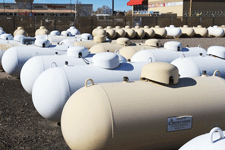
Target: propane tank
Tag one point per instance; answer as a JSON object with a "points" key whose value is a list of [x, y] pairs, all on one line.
{"points": [[1, 31], [73, 31], [110, 47], [214, 140], [66, 33], [200, 31], [197, 66], [20, 31], [110, 33], [129, 51], [15, 57], [42, 43], [159, 32], [41, 31], [170, 52], [140, 33], [153, 113], [54, 33], [172, 31], [186, 31], [6, 36], [105, 67], [98, 31], [215, 31], [149, 33], [120, 32]]}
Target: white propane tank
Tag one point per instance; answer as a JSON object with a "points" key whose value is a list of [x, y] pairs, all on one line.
{"points": [[172, 31], [129, 51], [215, 31], [1, 31], [54, 33], [159, 112], [42, 43], [194, 66], [214, 140], [6, 36], [15, 57], [105, 67], [36, 65], [159, 32], [200, 31], [73, 31], [20, 31], [186, 31], [170, 52], [66, 33]]}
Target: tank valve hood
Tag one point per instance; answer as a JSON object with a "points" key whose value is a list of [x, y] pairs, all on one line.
{"points": [[160, 72], [173, 45], [123, 41]]}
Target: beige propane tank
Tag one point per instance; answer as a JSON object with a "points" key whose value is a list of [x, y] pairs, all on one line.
{"points": [[140, 33], [130, 33], [110, 47], [20, 31], [111, 33], [98, 31], [149, 33], [200, 31], [88, 44], [120, 32], [159, 32], [129, 51], [186, 31], [41, 31], [160, 111]]}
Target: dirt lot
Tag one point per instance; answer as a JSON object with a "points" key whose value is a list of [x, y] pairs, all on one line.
{"points": [[21, 127]]}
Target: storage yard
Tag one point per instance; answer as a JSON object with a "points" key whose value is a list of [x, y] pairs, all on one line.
{"points": [[22, 127]]}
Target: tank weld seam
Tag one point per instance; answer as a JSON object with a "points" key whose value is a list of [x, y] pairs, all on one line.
{"points": [[111, 112]]}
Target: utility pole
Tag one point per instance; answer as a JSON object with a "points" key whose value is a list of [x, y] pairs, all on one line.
{"points": [[190, 8], [112, 7]]}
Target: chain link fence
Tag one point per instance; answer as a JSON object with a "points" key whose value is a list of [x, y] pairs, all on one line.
{"points": [[87, 24]]}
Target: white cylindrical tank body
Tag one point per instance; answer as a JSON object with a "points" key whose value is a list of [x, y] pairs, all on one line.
{"points": [[36, 65], [186, 31], [215, 31], [14, 58], [146, 114], [171, 51], [215, 140], [200, 31], [68, 79], [159, 32], [172, 31], [194, 66]]}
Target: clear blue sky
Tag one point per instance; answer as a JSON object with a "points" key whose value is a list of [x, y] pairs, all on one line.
{"points": [[118, 4]]}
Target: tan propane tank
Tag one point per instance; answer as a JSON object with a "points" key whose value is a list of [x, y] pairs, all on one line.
{"points": [[129, 51], [110, 47], [41, 31], [98, 31], [20, 31], [140, 33], [186, 31], [160, 111], [149, 33], [120, 32], [130, 33], [200, 31], [159, 32], [88, 44], [111, 33]]}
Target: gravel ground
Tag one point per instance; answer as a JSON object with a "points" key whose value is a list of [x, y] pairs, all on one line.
{"points": [[21, 127]]}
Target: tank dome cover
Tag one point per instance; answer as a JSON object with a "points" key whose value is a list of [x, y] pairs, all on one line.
{"points": [[173, 45], [77, 51], [6, 36], [218, 51], [106, 60], [42, 42], [160, 72], [123, 41], [86, 36]]}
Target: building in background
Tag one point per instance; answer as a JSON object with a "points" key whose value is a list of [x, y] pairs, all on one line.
{"points": [[178, 7], [28, 8]]}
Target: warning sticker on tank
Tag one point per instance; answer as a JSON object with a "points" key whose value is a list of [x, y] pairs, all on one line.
{"points": [[179, 123]]}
